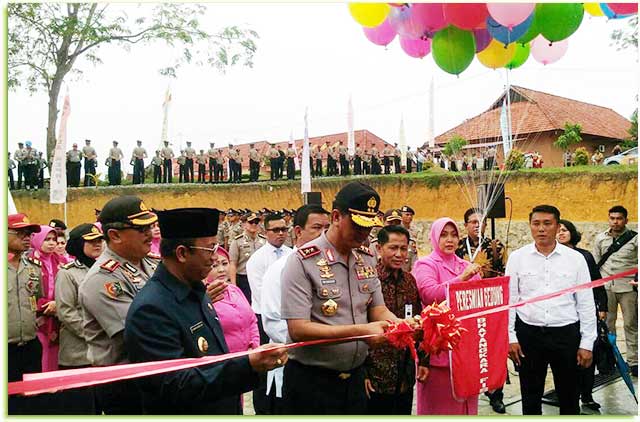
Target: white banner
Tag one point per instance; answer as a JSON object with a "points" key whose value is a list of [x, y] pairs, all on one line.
{"points": [[165, 118], [504, 128], [58, 179], [430, 138], [351, 139], [305, 171], [296, 161], [402, 141]]}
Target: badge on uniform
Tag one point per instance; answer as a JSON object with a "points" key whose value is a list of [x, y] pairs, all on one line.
{"points": [[329, 308], [33, 303], [203, 345], [364, 273], [408, 310], [113, 289], [330, 256]]}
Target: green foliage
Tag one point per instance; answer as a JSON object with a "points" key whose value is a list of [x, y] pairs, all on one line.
{"points": [[454, 146], [582, 157], [515, 160], [627, 37], [572, 135]]}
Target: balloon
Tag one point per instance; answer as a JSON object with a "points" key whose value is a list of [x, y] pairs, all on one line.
{"points": [[609, 12], [593, 9], [416, 48], [506, 35], [403, 21], [467, 16], [519, 56], [532, 32], [369, 14], [453, 49], [381, 34], [546, 52], [496, 54], [623, 8], [510, 14], [557, 21], [429, 16], [482, 37]]}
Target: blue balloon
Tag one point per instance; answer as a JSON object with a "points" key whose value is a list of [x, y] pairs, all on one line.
{"points": [[610, 13], [502, 33]]}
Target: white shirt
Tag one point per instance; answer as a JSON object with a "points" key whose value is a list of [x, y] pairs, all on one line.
{"points": [[533, 274], [256, 267], [274, 326]]}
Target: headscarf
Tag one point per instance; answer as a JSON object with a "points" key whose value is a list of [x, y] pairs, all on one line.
{"points": [[50, 262], [219, 251], [75, 244], [451, 261]]}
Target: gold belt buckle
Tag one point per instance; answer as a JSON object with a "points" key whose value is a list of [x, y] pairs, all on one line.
{"points": [[344, 375]]}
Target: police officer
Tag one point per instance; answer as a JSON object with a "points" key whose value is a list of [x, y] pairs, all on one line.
{"points": [[240, 250], [254, 163], [366, 161], [108, 290], [407, 214], [211, 153], [281, 159], [172, 317], [181, 161], [273, 161], [357, 160], [202, 166], [332, 291], [30, 164], [167, 155], [24, 354], [396, 159], [137, 157], [344, 163], [41, 164], [387, 155], [19, 157], [90, 163], [11, 165], [291, 166], [156, 162], [219, 170], [74, 158], [375, 161], [190, 154], [238, 174], [317, 157]]}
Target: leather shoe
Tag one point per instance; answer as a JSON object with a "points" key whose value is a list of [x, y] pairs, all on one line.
{"points": [[498, 406], [634, 370], [591, 404]]}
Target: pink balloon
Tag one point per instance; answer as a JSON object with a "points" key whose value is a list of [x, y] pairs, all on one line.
{"points": [[467, 16], [382, 34], [623, 8], [546, 52], [404, 23], [429, 16], [510, 14], [416, 48]]}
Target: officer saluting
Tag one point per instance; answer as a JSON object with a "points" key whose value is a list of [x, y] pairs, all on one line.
{"points": [[331, 290], [172, 317], [108, 290]]}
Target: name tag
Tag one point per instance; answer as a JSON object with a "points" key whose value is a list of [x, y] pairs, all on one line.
{"points": [[195, 327], [408, 311]]}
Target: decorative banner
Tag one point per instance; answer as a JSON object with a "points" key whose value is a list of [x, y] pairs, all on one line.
{"points": [[351, 139], [478, 364], [165, 118], [58, 180], [305, 171]]}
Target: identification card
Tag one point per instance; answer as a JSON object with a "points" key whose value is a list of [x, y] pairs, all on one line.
{"points": [[408, 311]]}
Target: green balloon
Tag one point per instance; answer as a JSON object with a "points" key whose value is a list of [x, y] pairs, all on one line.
{"points": [[453, 49], [531, 33], [557, 21], [520, 56]]}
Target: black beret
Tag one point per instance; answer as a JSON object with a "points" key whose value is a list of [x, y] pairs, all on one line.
{"points": [[188, 223], [57, 224]]}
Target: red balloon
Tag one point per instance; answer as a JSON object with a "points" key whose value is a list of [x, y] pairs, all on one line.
{"points": [[468, 16], [623, 8], [428, 16]]}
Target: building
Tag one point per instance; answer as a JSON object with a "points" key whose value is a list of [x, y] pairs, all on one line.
{"points": [[537, 119]]}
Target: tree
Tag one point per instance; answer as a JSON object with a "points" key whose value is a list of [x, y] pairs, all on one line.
{"points": [[632, 139], [515, 160], [582, 157], [627, 37], [45, 41], [572, 135], [454, 146]]}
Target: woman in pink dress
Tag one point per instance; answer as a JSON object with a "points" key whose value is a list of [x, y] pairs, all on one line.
{"points": [[155, 238], [43, 245], [433, 273]]}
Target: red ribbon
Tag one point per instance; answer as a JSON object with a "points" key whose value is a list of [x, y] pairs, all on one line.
{"points": [[441, 329]]}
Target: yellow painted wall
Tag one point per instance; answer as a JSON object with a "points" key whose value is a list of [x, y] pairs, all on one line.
{"points": [[580, 197]]}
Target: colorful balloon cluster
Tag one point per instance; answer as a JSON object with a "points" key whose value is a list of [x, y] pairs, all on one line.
{"points": [[498, 34]]}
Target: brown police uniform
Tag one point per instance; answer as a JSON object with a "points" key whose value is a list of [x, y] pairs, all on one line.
{"points": [[240, 250]]}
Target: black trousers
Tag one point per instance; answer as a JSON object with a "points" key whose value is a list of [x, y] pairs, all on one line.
{"points": [[291, 168], [157, 174], [202, 173], [115, 175], [318, 167], [138, 171], [366, 168], [30, 176], [357, 165], [77, 401], [40, 177], [167, 171], [544, 346], [396, 165], [273, 165], [386, 162], [312, 390], [243, 284], [238, 172], [409, 165], [21, 360], [281, 166], [181, 173], [219, 173], [261, 401], [119, 398], [89, 169], [254, 169], [232, 170], [212, 166], [188, 173], [20, 175], [12, 184], [73, 173], [344, 165], [390, 404]]}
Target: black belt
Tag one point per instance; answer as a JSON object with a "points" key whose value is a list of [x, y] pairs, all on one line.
{"points": [[544, 329]]}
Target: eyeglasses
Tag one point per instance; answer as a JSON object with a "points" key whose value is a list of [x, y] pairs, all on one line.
{"points": [[253, 221], [20, 233], [202, 248], [139, 229], [279, 229]]}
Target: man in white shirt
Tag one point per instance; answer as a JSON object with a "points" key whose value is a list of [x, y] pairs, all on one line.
{"points": [[274, 249], [310, 221], [559, 332]]}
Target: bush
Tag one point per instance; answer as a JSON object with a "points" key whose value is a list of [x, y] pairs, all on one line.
{"points": [[515, 160], [582, 157]]}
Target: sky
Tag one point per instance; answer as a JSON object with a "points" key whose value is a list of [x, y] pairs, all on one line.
{"points": [[309, 55]]}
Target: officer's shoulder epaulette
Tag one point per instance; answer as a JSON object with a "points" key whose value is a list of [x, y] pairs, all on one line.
{"points": [[365, 250], [69, 265], [238, 236], [110, 265], [308, 252], [153, 256], [34, 261]]}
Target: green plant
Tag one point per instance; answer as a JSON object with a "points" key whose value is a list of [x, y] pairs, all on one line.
{"points": [[632, 139], [515, 160], [582, 157], [572, 135], [454, 146]]}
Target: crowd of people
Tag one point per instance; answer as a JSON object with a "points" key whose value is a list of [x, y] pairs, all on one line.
{"points": [[142, 285]]}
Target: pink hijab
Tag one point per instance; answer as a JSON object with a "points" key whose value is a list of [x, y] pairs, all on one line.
{"points": [[49, 264], [451, 262]]}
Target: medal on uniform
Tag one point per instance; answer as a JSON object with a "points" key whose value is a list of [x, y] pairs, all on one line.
{"points": [[324, 292], [359, 260], [329, 308], [203, 345], [335, 291]]}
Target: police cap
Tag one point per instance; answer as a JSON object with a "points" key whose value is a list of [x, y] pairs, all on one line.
{"points": [[392, 215], [127, 209], [408, 209], [361, 201], [188, 223], [86, 231]]}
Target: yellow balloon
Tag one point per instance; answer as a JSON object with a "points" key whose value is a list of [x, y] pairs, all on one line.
{"points": [[369, 14], [593, 9], [496, 54]]}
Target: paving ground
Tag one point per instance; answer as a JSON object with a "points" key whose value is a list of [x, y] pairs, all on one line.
{"points": [[614, 398]]}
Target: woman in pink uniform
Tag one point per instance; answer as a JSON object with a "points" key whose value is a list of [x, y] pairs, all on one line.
{"points": [[43, 246], [433, 273]]}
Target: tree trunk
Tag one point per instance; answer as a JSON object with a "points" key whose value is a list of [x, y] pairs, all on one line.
{"points": [[54, 92]]}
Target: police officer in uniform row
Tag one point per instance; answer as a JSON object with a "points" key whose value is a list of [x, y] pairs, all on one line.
{"points": [[137, 160], [167, 169], [108, 290], [240, 250], [157, 163], [330, 289], [74, 158], [90, 163], [24, 354], [172, 317]]}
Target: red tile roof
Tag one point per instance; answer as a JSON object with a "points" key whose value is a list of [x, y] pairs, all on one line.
{"points": [[534, 112]]}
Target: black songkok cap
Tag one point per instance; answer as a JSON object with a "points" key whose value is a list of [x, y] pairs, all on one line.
{"points": [[188, 223]]}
